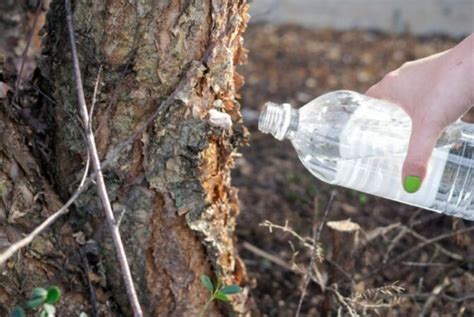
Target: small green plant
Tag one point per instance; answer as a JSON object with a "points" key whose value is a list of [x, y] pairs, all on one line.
{"points": [[363, 199], [40, 298], [217, 291]]}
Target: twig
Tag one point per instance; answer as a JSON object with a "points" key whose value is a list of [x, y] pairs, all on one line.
{"points": [[312, 266], [49, 221], [344, 301], [434, 294], [286, 228], [87, 270], [444, 296], [39, 91], [426, 264], [326, 212], [446, 252], [94, 96], [117, 85], [27, 47], [276, 260], [344, 272], [100, 183], [268, 256], [403, 231], [413, 249]]}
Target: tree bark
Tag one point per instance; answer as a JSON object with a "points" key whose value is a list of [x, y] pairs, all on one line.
{"points": [[173, 184]]}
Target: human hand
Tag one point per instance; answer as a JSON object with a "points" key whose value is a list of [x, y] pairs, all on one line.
{"points": [[435, 92]]}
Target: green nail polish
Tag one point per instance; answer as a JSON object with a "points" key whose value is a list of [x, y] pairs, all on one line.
{"points": [[411, 184]]}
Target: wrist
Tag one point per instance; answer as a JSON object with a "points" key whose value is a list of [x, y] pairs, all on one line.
{"points": [[468, 46], [460, 69]]}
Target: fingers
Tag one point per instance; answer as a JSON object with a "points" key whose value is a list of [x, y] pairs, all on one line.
{"points": [[422, 142]]}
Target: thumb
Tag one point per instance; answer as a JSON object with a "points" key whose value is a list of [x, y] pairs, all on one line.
{"points": [[422, 141]]}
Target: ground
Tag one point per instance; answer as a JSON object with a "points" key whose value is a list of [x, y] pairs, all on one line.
{"points": [[293, 64]]}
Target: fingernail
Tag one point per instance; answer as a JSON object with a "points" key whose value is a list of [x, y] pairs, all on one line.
{"points": [[411, 184]]}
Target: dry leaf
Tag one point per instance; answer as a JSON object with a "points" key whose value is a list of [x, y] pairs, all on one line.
{"points": [[343, 225]]}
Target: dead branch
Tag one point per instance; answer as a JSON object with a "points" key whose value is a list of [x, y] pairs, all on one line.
{"points": [[437, 290], [100, 183], [446, 252], [403, 231], [414, 249], [5, 255], [25, 51], [316, 253], [87, 271], [270, 257], [306, 241]]}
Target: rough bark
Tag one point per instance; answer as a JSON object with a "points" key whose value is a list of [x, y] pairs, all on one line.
{"points": [[173, 183], [26, 199]]}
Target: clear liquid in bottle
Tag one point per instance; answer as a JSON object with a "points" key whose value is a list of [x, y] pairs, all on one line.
{"points": [[351, 140]]}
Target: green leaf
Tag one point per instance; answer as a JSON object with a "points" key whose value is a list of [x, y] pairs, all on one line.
{"points": [[231, 289], [54, 294], [18, 312], [43, 314], [49, 309], [39, 292], [83, 314], [207, 282], [221, 296], [34, 302]]}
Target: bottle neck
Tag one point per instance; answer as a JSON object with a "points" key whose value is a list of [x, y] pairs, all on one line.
{"points": [[279, 120]]}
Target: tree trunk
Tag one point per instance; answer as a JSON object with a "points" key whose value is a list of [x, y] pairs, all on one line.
{"points": [[172, 184]]}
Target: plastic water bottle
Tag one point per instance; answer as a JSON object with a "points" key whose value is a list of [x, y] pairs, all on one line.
{"points": [[351, 140]]}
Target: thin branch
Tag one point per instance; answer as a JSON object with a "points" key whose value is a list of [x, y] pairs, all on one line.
{"points": [[27, 47], [87, 271], [39, 91], [306, 241], [446, 252], [414, 249], [316, 238], [117, 85], [100, 183], [270, 257], [326, 212], [48, 222], [437, 290], [461, 299], [94, 96], [292, 268]]}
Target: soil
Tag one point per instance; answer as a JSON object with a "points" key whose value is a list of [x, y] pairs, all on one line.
{"points": [[292, 64]]}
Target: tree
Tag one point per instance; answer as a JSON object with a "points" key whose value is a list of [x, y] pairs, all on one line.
{"points": [[171, 186]]}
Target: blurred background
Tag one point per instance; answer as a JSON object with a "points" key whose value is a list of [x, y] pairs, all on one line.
{"points": [[299, 49]]}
